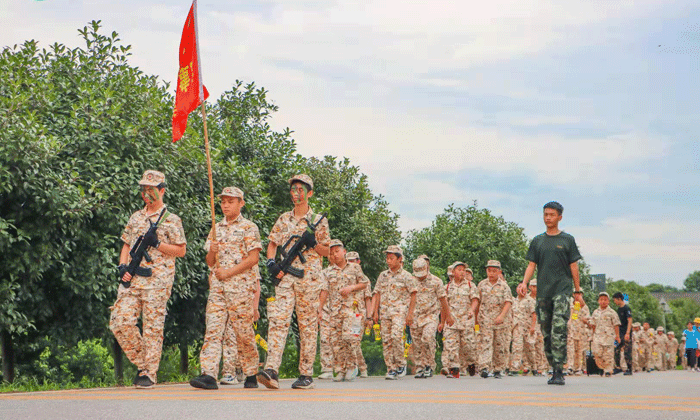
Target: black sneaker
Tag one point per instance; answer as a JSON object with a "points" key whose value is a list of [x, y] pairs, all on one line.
{"points": [[628, 373], [607, 374], [268, 377], [616, 371], [250, 382], [204, 382], [428, 372], [497, 374], [138, 375], [484, 373], [143, 382], [471, 369], [304, 382], [557, 378]]}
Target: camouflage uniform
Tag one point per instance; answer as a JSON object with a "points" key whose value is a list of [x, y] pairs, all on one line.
{"points": [[637, 350], [361, 364], [577, 336], [648, 349], [344, 311], [294, 293], [459, 348], [660, 345], [326, 349], [147, 296], [493, 339], [532, 354], [603, 347], [681, 353], [672, 350], [230, 302], [395, 288], [426, 319], [521, 325]]}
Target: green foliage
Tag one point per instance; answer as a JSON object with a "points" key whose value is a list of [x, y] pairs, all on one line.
{"points": [[661, 288], [684, 310], [87, 361], [474, 236], [645, 308], [692, 282]]}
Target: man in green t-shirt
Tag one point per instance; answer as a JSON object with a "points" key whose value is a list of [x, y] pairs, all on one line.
{"points": [[555, 256]]}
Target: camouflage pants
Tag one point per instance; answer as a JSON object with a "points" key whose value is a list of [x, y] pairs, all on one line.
{"points": [[359, 357], [517, 346], [494, 348], [230, 362], [626, 348], [143, 350], [232, 312], [648, 357], [576, 354], [604, 356], [343, 345], [392, 341], [635, 356], [553, 315], [302, 296], [424, 343], [534, 351], [459, 348], [326, 349]]}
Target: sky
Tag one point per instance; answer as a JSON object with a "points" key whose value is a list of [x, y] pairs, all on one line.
{"points": [[507, 103]]}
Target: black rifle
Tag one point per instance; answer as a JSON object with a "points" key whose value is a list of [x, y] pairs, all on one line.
{"points": [[138, 253], [296, 251]]}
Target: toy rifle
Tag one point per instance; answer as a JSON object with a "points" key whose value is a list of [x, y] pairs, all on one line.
{"points": [[303, 243], [139, 251]]}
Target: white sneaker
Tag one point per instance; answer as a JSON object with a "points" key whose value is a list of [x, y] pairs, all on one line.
{"points": [[364, 374], [339, 377], [401, 371], [351, 375], [229, 380], [326, 375]]}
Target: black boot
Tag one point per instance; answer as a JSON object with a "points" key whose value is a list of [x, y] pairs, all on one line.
{"points": [[251, 382], [557, 378]]}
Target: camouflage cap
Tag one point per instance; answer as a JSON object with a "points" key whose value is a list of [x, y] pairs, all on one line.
{"points": [[682, 338], [336, 242], [493, 263], [465, 265], [152, 178], [533, 282], [394, 249], [420, 267], [303, 178], [604, 294], [671, 333], [659, 328], [232, 192], [425, 257], [352, 255], [636, 325], [449, 270]]}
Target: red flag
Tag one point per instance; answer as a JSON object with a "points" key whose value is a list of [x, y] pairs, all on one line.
{"points": [[190, 89]]}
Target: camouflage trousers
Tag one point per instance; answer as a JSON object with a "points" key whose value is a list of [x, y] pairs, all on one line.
{"points": [[459, 348], [553, 315], [325, 348], [302, 295], [648, 357], [392, 329], [229, 314], [659, 359], [535, 357], [635, 356], [671, 361], [494, 348], [359, 357], [604, 356], [517, 347], [576, 353], [626, 348], [142, 349], [230, 361], [424, 344], [343, 345]]}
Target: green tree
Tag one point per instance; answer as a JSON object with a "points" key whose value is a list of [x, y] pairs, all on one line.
{"points": [[472, 235], [692, 282], [684, 310], [661, 288], [645, 308]]}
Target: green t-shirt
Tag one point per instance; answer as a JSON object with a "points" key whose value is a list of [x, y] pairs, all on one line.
{"points": [[553, 255]]}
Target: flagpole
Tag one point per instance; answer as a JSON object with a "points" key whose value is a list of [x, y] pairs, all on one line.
{"points": [[211, 181]]}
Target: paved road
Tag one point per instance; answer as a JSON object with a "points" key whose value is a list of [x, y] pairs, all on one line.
{"points": [[669, 395]]}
